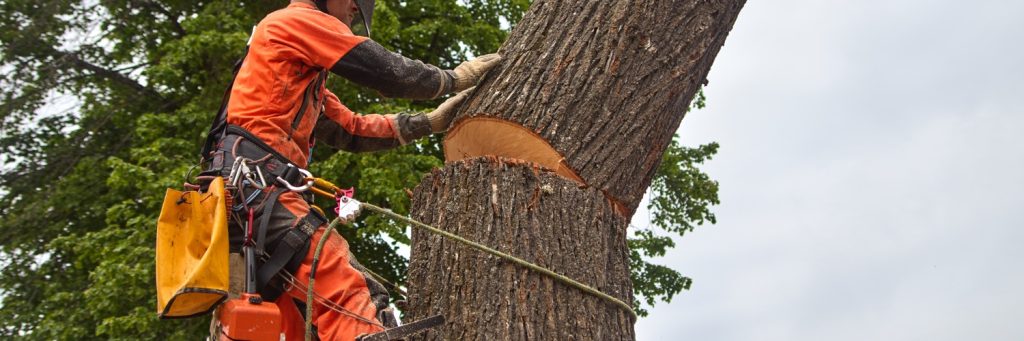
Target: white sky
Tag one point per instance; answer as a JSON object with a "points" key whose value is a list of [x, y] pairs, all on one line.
{"points": [[871, 177]]}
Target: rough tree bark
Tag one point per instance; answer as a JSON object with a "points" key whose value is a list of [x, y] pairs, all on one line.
{"points": [[604, 84]]}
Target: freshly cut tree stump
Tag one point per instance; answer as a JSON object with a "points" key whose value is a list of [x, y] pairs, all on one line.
{"points": [[486, 298]]}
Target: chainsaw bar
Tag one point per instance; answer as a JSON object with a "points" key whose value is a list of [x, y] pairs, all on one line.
{"points": [[404, 330]]}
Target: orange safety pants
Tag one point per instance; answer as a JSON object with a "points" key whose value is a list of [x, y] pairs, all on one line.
{"points": [[337, 281]]}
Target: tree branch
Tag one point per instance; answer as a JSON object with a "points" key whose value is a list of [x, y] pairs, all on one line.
{"points": [[77, 62], [171, 17], [115, 76]]}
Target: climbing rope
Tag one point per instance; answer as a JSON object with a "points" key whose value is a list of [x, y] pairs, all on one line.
{"points": [[312, 277]]}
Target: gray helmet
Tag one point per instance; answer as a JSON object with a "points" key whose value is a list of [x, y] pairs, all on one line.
{"points": [[365, 11]]}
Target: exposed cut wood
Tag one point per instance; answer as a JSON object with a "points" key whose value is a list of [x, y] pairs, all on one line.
{"points": [[487, 136]]}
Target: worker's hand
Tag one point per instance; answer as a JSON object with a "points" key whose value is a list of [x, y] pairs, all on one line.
{"points": [[441, 117], [468, 73]]}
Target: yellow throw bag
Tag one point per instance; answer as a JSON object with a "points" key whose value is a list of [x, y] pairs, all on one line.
{"points": [[192, 252]]}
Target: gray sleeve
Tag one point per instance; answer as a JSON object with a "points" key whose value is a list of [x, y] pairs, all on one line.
{"points": [[371, 65]]}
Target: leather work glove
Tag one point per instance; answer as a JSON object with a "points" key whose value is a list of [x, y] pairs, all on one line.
{"points": [[441, 117], [469, 73]]}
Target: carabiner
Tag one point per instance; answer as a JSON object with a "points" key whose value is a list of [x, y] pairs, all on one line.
{"points": [[306, 175], [235, 170], [244, 172], [263, 180], [248, 176]]}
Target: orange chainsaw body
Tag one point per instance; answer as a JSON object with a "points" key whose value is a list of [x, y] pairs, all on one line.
{"points": [[241, 319]]}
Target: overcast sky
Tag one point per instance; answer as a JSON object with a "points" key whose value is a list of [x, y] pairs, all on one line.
{"points": [[872, 176]]}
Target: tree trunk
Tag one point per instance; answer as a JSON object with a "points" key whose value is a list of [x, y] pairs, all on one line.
{"points": [[549, 159], [524, 212]]}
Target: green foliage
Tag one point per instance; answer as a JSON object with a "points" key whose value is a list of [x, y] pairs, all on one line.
{"points": [[80, 188], [681, 196]]}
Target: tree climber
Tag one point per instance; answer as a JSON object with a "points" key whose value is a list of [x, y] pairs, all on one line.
{"points": [[276, 107]]}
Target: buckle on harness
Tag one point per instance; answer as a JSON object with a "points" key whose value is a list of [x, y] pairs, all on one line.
{"points": [[289, 173]]}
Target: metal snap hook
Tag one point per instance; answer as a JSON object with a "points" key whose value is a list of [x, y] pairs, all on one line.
{"points": [[306, 175]]}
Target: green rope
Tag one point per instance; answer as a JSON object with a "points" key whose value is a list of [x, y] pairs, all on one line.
{"points": [[312, 278], [566, 280]]}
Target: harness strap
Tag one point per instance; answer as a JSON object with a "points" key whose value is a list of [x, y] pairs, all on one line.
{"points": [[288, 254], [288, 247], [268, 209]]}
